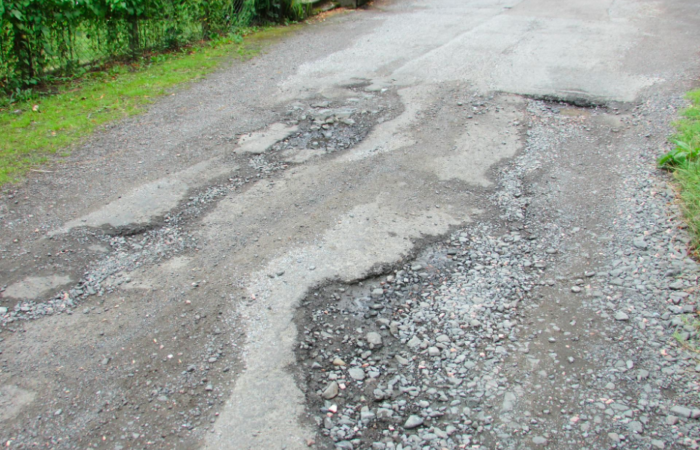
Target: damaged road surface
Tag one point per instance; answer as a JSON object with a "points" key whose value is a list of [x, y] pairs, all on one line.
{"points": [[422, 225]]}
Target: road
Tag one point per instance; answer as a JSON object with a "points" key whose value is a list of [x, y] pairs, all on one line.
{"points": [[417, 225]]}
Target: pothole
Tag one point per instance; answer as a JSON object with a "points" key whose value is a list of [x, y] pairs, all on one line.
{"points": [[400, 359], [321, 126]]}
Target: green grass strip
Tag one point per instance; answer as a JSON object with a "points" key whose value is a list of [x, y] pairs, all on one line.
{"points": [[687, 174], [33, 130]]}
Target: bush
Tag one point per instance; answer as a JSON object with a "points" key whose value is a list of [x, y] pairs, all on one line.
{"points": [[40, 39]]}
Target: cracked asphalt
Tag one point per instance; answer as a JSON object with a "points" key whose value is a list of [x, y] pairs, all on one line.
{"points": [[419, 225]]}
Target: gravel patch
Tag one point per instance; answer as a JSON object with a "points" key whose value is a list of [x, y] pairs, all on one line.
{"points": [[568, 323]]}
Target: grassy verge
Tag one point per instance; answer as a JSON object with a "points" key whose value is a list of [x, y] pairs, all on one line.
{"points": [[688, 336], [684, 161], [33, 130]]}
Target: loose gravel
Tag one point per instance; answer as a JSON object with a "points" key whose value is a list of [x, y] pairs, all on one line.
{"points": [[146, 366], [548, 328]]}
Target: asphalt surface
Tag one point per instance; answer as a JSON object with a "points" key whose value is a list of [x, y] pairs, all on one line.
{"points": [[415, 225]]}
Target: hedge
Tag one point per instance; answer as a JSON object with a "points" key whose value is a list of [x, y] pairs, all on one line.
{"points": [[43, 38]]}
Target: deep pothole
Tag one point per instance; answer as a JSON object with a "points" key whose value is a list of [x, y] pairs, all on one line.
{"points": [[413, 357]]}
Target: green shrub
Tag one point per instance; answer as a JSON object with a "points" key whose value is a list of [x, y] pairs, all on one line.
{"points": [[44, 39], [687, 137], [684, 161]]}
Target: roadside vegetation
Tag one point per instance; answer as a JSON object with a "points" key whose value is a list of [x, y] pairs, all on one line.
{"points": [[48, 40], [69, 66], [684, 161], [689, 335], [33, 129]]}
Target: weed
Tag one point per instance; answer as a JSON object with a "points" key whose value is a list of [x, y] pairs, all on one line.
{"points": [[679, 156], [689, 335], [687, 137], [684, 161]]}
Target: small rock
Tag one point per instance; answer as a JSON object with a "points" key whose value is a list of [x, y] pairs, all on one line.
{"points": [[539, 440], [640, 243], [356, 373], [621, 316], [673, 272], [366, 414], [374, 339], [413, 421], [636, 426], [379, 395], [331, 391], [401, 360], [682, 411], [384, 413], [414, 342], [676, 286], [344, 445]]}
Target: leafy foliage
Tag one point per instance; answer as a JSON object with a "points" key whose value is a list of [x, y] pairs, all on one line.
{"points": [[688, 178], [679, 156], [687, 137], [684, 161], [40, 39], [35, 128]]}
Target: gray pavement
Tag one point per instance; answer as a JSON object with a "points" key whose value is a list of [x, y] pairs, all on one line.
{"points": [[177, 257]]}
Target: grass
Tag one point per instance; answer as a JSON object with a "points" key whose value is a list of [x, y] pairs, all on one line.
{"points": [[684, 161], [688, 336], [33, 130], [688, 178]]}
